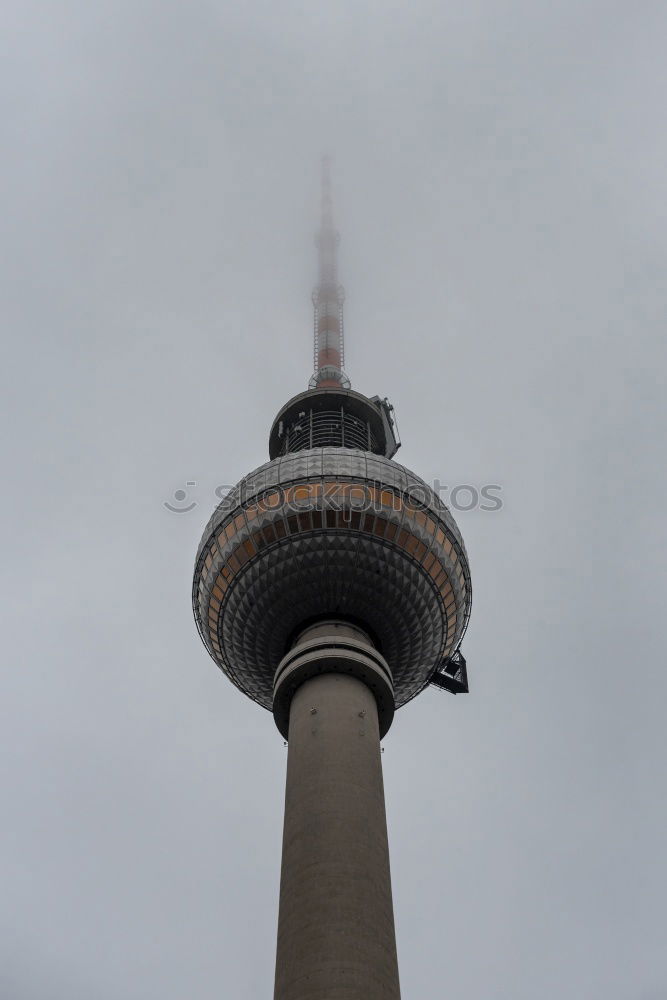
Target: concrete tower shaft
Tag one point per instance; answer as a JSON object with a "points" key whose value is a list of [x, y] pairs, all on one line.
{"points": [[336, 938]]}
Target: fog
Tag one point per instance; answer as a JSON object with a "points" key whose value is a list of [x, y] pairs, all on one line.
{"points": [[499, 185]]}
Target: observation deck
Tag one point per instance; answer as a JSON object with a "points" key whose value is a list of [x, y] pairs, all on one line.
{"points": [[334, 417], [331, 532]]}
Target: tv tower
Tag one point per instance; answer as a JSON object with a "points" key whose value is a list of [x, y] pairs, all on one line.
{"points": [[332, 586]]}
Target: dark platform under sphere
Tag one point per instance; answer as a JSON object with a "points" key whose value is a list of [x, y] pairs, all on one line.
{"points": [[331, 532]]}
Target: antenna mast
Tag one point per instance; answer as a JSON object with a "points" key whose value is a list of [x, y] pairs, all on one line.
{"points": [[328, 298]]}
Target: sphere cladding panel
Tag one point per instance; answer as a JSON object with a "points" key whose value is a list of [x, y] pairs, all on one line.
{"points": [[331, 531]]}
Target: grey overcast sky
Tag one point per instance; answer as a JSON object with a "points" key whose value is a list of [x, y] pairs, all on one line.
{"points": [[499, 183]]}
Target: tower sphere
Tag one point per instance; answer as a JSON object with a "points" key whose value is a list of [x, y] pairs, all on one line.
{"points": [[331, 532]]}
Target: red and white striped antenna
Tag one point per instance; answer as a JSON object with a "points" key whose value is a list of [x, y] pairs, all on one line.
{"points": [[328, 298]]}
